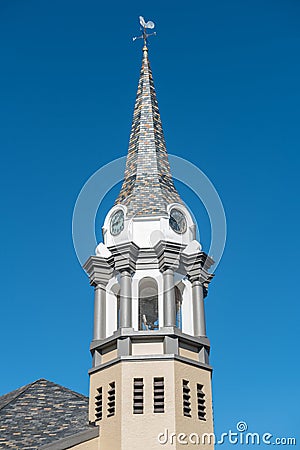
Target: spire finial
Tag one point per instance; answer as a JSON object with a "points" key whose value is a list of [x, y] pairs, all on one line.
{"points": [[145, 35]]}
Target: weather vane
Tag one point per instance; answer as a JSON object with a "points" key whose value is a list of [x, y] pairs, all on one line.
{"points": [[144, 25]]}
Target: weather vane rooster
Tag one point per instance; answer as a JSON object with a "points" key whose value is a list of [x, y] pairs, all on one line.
{"points": [[144, 26]]}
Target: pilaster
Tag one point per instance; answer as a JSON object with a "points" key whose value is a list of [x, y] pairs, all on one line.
{"points": [[100, 270], [125, 256], [195, 264]]}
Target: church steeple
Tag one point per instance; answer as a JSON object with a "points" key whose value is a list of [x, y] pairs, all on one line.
{"points": [[148, 186], [150, 351]]}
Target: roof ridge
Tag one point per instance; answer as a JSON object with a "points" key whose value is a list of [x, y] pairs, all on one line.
{"points": [[78, 394], [20, 391]]}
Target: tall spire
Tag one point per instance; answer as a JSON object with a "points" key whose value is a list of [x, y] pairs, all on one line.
{"points": [[148, 186]]}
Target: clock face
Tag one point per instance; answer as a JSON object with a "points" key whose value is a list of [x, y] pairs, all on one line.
{"points": [[117, 222], [177, 221]]}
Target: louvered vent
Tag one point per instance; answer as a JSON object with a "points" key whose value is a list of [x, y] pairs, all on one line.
{"points": [[158, 395], [201, 402], [111, 399], [138, 396], [186, 398], [98, 404]]}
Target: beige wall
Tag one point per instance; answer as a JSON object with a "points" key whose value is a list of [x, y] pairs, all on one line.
{"points": [[128, 431], [192, 424], [148, 348], [110, 427], [141, 430], [188, 354], [109, 356]]}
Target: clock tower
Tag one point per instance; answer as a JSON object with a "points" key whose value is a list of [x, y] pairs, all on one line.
{"points": [[150, 381]]}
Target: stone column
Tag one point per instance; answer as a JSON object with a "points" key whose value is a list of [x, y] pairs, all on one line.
{"points": [[99, 312], [198, 309], [125, 300], [169, 298]]}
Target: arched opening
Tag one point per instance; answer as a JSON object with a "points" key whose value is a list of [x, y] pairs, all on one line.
{"points": [[148, 304], [178, 300]]}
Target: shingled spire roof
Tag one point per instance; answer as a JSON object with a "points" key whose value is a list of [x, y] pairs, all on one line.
{"points": [[148, 185]]}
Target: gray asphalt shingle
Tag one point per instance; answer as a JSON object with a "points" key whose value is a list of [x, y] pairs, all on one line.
{"points": [[40, 413]]}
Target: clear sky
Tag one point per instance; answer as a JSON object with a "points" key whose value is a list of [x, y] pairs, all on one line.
{"points": [[227, 78]]}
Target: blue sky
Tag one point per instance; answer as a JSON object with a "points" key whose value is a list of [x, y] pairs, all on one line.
{"points": [[227, 78]]}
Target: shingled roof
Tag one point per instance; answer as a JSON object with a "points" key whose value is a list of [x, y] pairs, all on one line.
{"points": [[148, 184], [41, 413]]}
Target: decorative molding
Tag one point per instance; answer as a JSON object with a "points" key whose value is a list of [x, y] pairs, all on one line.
{"points": [[99, 269], [171, 339], [125, 256], [196, 266], [150, 358], [147, 259], [168, 254], [153, 334]]}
